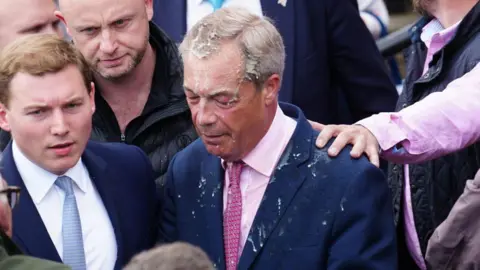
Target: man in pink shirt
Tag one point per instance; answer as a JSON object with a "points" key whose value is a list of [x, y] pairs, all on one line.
{"points": [[437, 115], [255, 192]]}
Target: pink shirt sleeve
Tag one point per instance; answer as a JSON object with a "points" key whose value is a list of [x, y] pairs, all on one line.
{"points": [[441, 123]]}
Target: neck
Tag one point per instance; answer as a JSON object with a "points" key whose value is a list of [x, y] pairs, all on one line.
{"points": [[139, 80], [449, 12], [268, 121]]}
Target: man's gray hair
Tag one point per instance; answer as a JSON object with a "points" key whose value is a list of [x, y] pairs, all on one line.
{"points": [[176, 256], [260, 42]]}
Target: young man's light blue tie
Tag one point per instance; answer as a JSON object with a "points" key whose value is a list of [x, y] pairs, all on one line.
{"points": [[216, 3], [73, 251]]}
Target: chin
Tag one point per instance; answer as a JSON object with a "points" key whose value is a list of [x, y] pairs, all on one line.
{"points": [[227, 156], [113, 72], [60, 170], [63, 165], [216, 150], [213, 149], [109, 75]]}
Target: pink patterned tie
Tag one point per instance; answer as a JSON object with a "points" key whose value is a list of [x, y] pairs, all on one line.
{"points": [[233, 216]]}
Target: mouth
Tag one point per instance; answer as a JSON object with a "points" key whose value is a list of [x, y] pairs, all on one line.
{"points": [[212, 136], [112, 62], [111, 59], [62, 149], [61, 145], [212, 139]]}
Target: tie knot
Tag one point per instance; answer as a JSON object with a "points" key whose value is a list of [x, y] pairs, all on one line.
{"points": [[234, 171], [237, 164], [65, 183], [216, 3]]}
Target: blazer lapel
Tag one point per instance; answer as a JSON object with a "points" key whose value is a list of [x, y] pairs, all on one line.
{"points": [[28, 228], [171, 15], [98, 171], [211, 196], [284, 18], [281, 190]]}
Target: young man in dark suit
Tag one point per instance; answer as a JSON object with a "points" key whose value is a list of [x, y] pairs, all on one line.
{"points": [[256, 174], [91, 205]]}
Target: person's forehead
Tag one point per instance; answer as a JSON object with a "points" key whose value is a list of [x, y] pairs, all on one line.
{"points": [[226, 60], [61, 85], [211, 74], [26, 12], [77, 9]]}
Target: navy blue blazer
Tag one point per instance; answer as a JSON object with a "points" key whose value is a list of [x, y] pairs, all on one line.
{"points": [[124, 179], [316, 213], [333, 69]]}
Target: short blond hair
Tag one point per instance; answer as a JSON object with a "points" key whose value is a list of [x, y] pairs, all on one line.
{"points": [[37, 55]]}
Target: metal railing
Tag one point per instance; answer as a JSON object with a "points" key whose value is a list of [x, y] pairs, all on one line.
{"points": [[394, 42]]}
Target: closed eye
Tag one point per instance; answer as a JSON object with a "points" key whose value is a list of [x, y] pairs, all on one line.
{"points": [[226, 103], [193, 98]]}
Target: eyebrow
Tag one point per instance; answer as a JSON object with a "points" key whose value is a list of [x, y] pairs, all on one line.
{"points": [[189, 90], [35, 107], [122, 16], [85, 25], [39, 23], [214, 93], [91, 24], [33, 27], [42, 105], [74, 99]]}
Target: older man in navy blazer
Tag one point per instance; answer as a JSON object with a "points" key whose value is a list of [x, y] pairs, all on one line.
{"points": [[89, 205], [255, 192], [333, 69]]}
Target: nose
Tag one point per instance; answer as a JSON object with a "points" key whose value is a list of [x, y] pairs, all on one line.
{"points": [[205, 116], [59, 125], [107, 43]]}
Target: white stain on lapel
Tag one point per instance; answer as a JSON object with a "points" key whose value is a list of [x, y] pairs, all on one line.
{"points": [[282, 2]]}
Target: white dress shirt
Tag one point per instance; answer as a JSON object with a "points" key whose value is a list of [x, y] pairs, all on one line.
{"points": [[98, 236], [197, 9]]}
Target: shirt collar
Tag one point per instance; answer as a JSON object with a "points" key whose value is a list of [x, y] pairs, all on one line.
{"points": [[39, 181], [434, 27], [264, 157]]}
